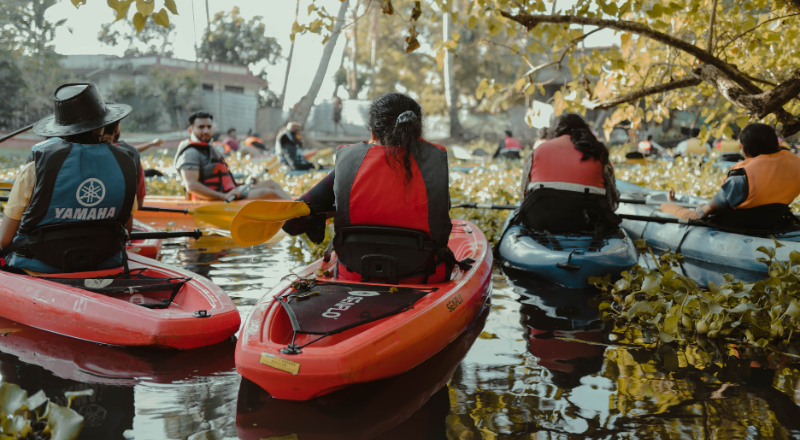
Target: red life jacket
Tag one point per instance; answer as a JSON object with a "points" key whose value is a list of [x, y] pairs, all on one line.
{"points": [[511, 144], [371, 190], [215, 175], [557, 164]]}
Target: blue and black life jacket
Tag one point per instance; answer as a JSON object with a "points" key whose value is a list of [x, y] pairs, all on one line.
{"points": [[79, 208]]}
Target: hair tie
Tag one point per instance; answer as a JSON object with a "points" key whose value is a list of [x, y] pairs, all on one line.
{"points": [[406, 117]]}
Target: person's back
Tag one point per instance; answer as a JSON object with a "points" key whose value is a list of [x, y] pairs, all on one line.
{"points": [[76, 195], [509, 147], [392, 219], [289, 147], [568, 181]]}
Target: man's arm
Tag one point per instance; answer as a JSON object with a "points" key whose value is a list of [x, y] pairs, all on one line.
{"points": [[8, 230], [146, 145], [191, 180], [499, 148]]}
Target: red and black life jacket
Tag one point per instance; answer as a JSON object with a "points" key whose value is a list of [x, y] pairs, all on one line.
{"points": [[371, 190], [215, 174]]}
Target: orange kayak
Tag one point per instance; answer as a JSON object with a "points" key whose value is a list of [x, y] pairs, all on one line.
{"points": [[430, 317], [151, 247], [392, 408], [199, 314]]}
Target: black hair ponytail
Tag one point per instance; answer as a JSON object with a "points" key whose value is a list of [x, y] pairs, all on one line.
{"points": [[581, 136], [396, 120]]}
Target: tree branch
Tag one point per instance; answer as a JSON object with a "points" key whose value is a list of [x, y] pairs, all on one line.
{"points": [[530, 21], [647, 91], [710, 43], [754, 28], [760, 104]]}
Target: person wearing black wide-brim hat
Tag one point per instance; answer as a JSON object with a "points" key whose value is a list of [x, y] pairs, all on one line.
{"points": [[72, 204]]}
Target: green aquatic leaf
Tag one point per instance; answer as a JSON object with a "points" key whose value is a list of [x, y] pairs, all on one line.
{"points": [[651, 284], [794, 309], [768, 251], [639, 308], [671, 324], [63, 423]]}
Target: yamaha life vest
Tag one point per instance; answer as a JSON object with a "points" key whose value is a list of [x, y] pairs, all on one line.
{"points": [[85, 185], [511, 144], [215, 173], [771, 178], [371, 190]]}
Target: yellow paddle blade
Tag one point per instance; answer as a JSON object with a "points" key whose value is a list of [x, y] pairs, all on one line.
{"points": [[6, 184], [218, 214], [259, 220]]}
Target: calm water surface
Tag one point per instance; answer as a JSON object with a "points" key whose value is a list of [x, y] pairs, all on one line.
{"points": [[539, 364]]}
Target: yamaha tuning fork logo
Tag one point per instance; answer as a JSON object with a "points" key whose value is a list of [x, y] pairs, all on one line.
{"points": [[91, 192]]}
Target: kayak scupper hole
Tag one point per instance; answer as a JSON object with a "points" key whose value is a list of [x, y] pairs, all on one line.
{"points": [[748, 240]]}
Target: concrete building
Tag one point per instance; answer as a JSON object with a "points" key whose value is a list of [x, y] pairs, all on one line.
{"points": [[228, 91]]}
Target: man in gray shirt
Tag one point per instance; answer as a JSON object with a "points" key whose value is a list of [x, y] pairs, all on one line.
{"points": [[205, 173]]}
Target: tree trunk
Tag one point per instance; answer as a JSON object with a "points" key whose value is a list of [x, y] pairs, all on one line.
{"points": [[208, 15], [450, 92], [288, 61], [300, 114], [374, 22], [352, 74]]}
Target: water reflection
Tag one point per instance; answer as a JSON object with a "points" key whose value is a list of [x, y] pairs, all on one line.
{"points": [[542, 365]]}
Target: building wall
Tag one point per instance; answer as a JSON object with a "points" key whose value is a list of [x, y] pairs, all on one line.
{"points": [[231, 110]]}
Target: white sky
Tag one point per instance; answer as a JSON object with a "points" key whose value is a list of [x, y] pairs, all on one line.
{"points": [[278, 15]]}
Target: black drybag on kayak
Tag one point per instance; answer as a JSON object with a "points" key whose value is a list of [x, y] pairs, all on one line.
{"points": [[72, 247], [555, 211], [765, 219]]}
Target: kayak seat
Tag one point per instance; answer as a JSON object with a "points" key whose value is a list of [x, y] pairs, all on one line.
{"points": [[383, 252], [72, 247]]}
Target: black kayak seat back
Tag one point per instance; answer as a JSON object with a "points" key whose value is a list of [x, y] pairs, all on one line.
{"points": [[634, 155], [384, 251], [72, 247]]}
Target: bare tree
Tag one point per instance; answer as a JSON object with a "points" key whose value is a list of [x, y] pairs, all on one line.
{"points": [[282, 99], [374, 22], [300, 114], [352, 74]]}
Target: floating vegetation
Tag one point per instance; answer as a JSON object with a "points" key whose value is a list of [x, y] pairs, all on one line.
{"points": [[36, 417], [668, 307]]}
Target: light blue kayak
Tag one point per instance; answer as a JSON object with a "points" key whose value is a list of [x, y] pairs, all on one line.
{"points": [[565, 259], [708, 252]]}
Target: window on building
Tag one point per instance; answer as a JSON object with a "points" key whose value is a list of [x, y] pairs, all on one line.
{"points": [[209, 87], [234, 89]]}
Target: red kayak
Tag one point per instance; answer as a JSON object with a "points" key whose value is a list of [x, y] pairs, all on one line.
{"points": [[87, 362], [404, 325], [151, 247], [391, 408], [161, 306]]}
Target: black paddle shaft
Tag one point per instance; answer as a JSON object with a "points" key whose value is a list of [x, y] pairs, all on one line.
{"points": [[11, 135], [154, 209], [164, 234]]}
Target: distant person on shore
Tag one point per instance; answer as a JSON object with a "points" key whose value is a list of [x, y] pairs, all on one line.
{"points": [[337, 115], [727, 145], [205, 173], [757, 192], [289, 148], [509, 147]]}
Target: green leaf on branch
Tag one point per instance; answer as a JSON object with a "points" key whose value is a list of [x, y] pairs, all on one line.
{"points": [[145, 7], [170, 4], [139, 22], [161, 18]]}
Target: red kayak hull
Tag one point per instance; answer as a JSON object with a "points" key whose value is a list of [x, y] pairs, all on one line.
{"points": [[81, 314], [373, 351]]}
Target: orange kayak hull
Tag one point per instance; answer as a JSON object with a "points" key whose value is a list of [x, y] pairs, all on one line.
{"points": [[373, 351], [81, 314]]}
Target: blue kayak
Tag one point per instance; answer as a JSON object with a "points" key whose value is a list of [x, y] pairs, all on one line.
{"points": [[708, 252], [565, 259]]}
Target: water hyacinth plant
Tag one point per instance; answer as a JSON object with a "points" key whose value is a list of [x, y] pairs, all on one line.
{"points": [[669, 307], [35, 417]]}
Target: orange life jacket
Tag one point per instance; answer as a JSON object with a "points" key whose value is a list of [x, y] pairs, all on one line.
{"points": [[251, 140], [771, 178], [557, 164]]}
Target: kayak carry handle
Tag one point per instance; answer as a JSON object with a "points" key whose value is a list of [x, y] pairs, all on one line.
{"points": [[568, 265], [197, 233]]}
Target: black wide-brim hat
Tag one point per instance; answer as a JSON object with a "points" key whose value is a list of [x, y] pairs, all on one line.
{"points": [[78, 108]]}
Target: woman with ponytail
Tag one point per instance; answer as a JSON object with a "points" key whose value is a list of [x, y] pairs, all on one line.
{"points": [[397, 180], [568, 182]]}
